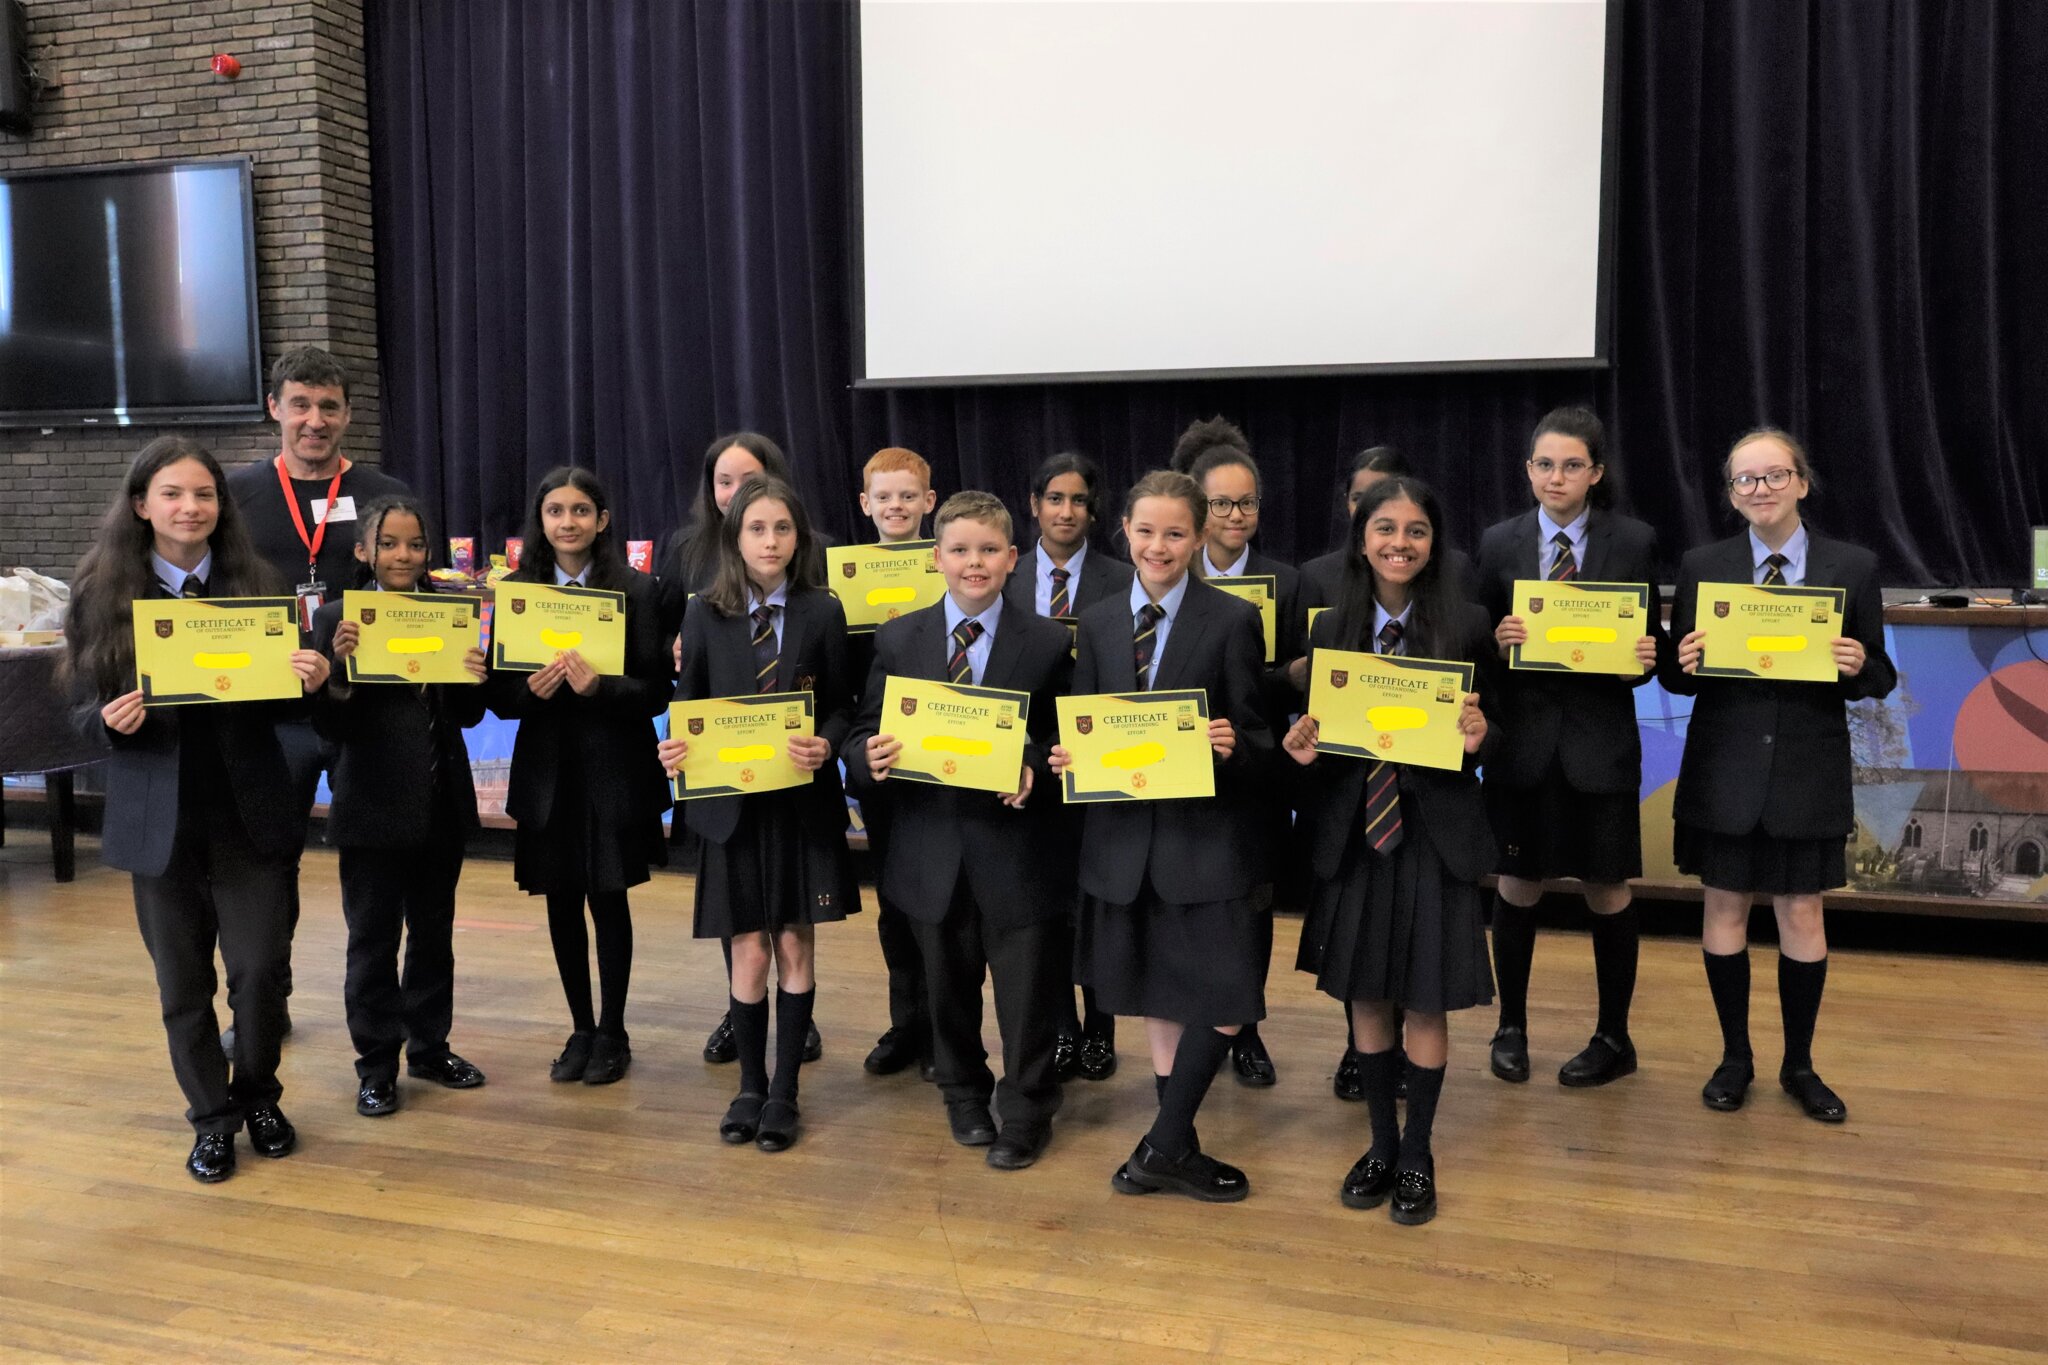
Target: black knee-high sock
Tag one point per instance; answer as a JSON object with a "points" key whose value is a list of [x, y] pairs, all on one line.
{"points": [[1093, 1019], [750, 1036], [1616, 945], [614, 921], [1350, 1032], [1514, 948], [1158, 1088], [1246, 1036], [1728, 980], [1425, 1086], [1799, 989], [725, 944], [1377, 1072], [572, 954], [792, 1023], [1201, 1051]]}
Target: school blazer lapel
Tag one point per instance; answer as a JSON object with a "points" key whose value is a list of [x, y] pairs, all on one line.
{"points": [[1003, 652], [797, 624], [1824, 562], [1184, 639]]}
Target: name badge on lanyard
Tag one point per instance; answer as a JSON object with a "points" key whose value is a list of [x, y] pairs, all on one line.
{"points": [[312, 593]]}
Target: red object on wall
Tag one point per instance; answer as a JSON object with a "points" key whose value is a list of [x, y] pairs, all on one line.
{"points": [[226, 66]]}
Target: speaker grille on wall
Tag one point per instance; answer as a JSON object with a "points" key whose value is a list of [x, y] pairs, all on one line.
{"points": [[15, 90]]}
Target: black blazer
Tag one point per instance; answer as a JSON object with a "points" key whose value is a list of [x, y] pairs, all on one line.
{"points": [[1775, 753], [1195, 850], [382, 774], [1322, 579], [718, 661], [1102, 575], [1586, 722], [1019, 865], [610, 730], [140, 822], [1440, 806]]}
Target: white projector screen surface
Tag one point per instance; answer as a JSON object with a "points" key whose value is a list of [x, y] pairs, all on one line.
{"points": [[1118, 188]]}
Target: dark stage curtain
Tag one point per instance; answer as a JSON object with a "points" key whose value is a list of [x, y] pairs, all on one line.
{"points": [[606, 231]]}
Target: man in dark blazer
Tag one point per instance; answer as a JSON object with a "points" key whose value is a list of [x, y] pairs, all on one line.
{"points": [[985, 879]]}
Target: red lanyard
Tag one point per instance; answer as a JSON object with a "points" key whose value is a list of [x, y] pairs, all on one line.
{"points": [[291, 502]]}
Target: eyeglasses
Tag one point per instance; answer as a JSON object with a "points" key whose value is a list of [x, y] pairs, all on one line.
{"points": [[1220, 507], [1572, 468], [1773, 479]]}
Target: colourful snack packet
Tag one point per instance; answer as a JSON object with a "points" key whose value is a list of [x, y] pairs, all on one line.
{"points": [[640, 554], [514, 547], [462, 554]]}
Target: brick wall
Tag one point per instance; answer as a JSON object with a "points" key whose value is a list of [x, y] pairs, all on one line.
{"points": [[133, 84]]}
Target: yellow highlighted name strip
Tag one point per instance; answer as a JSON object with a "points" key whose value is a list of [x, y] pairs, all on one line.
{"points": [[415, 644], [1137, 756], [1581, 635], [561, 639], [954, 744], [1776, 644], [1396, 717], [221, 660], [747, 753], [889, 597]]}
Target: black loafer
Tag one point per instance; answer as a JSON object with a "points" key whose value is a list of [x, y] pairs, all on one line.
{"points": [[1728, 1085], [1018, 1147], [1813, 1095], [575, 1058], [212, 1159], [1604, 1059], [446, 1069], [1509, 1055], [270, 1133], [1347, 1083], [895, 1050], [1368, 1183], [1414, 1198], [721, 1047], [377, 1099], [778, 1126], [742, 1119], [609, 1058], [1066, 1057], [1193, 1173], [1251, 1061], [969, 1120], [1097, 1061], [814, 1044]]}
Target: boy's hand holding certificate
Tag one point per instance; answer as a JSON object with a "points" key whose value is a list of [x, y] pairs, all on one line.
{"points": [[412, 637], [1263, 592], [1139, 746], [216, 649], [1782, 633], [1389, 707], [877, 583], [1577, 627], [532, 624], [738, 745], [955, 735]]}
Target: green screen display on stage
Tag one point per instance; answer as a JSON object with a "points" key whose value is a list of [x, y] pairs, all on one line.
{"points": [[2041, 559]]}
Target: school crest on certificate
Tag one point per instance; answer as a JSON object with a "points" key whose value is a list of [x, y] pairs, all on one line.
{"points": [[201, 649], [955, 735], [1389, 707], [739, 745], [1137, 746], [877, 583]]}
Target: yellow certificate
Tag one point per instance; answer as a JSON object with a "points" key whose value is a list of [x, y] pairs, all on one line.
{"points": [[1138, 746], [955, 735], [1581, 627], [877, 583], [739, 744], [533, 623], [412, 637], [1388, 706], [1262, 590], [1782, 633], [216, 649]]}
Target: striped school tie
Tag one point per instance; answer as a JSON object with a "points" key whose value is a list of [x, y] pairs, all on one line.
{"points": [[1382, 781], [1058, 605], [1144, 637], [766, 652], [1565, 565], [195, 586], [958, 668], [1774, 571]]}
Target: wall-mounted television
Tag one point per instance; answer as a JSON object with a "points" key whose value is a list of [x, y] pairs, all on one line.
{"points": [[128, 295]]}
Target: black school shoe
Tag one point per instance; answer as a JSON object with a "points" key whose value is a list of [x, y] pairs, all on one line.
{"points": [[1018, 1147], [970, 1122], [742, 1121], [212, 1159], [894, 1051], [1368, 1184], [1729, 1084], [814, 1044], [778, 1128], [271, 1133], [721, 1047], [377, 1099], [1604, 1059], [1813, 1095], [1509, 1055], [1194, 1174], [1066, 1057], [1347, 1084], [575, 1058], [1097, 1060], [1414, 1198], [446, 1069], [1251, 1061], [609, 1058]]}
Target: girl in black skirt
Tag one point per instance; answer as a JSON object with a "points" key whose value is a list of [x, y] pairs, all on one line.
{"points": [[585, 790], [1764, 805], [772, 866], [1395, 921], [1563, 791], [1168, 929]]}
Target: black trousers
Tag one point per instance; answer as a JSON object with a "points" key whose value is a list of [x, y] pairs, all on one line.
{"points": [[899, 939], [218, 890], [1029, 976], [384, 891], [306, 756]]}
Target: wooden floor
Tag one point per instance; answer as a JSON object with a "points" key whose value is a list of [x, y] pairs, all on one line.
{"points": [[535, 1222]]}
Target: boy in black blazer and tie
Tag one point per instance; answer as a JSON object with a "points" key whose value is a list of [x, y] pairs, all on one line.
{"points": [[987, 880]]}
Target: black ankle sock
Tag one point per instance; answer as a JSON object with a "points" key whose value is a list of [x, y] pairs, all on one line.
{"points": [[1728, 980], [1377, 1073], [1616, 945], [1201, 1051], [750, 1036], [1425, 1085], [792, 1025], [1799, 989], [1514, 948], [1248, 1036]]}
